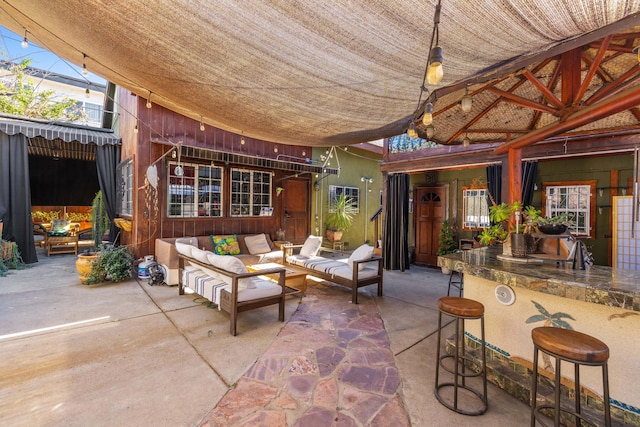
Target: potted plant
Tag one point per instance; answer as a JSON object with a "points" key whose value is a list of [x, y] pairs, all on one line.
{"points": [[499, 216], [341, 212], [112, 263], [447, 243]]}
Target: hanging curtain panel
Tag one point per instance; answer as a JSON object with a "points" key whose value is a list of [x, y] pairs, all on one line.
{"points": [[396, 224], [15, 195], [529, 174], [107, 159]]}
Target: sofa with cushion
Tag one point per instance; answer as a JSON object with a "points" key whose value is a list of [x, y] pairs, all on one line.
{"points": [[225, 281], [353, 270], [248, 248]]}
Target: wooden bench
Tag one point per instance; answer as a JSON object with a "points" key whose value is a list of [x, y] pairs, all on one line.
{"points": [[357, 278]]}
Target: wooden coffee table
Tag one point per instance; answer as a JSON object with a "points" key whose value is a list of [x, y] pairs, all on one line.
{"points": [[291, 274], [62, 245]]}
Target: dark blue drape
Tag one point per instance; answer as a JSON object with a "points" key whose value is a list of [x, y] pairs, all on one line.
{"points": [[529, 174], [494, 184], [107, 159]]}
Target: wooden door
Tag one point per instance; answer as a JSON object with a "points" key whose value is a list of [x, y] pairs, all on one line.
{"points": [[430, 209], [296, 222]]}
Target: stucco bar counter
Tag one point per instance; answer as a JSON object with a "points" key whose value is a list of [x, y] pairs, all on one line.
{"points": [[600, 301]]}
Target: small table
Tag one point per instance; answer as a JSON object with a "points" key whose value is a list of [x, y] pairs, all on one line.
{"points": [[290, 275], [62, 245]]}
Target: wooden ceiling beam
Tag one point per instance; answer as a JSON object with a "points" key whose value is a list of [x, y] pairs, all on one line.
{"points": [[523, 102], [622, 101], [542, 88], [592, 69]]}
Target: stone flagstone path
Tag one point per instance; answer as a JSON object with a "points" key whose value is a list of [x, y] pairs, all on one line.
{"points": [[331, 365]]}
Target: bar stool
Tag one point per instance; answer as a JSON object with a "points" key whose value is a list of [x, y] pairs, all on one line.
{"points": [[573, 347], [457, 283], [461, 309]]}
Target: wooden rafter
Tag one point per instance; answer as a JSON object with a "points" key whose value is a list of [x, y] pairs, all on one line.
{"points": [[592, 69], [523, 102]]}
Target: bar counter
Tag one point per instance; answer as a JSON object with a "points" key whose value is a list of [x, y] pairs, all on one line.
{"points": [[601, 301]]}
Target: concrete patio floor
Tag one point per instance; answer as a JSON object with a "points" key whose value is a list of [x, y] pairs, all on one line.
{"points": [[131, 354]]}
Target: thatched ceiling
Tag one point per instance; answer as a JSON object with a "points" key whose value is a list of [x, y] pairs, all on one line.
{"points": [[309, 72]]}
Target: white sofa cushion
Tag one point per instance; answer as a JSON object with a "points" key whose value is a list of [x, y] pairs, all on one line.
{"points": [[311, 246], [232, 265], [203, 284], [257, 244], [361, 253], [185, 248], [263, 288]]}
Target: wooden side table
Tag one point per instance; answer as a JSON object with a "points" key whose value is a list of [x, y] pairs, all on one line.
{"points": [[62, 245]]}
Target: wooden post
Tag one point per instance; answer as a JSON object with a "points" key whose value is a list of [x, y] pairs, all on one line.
{"points": [[514, 176]]}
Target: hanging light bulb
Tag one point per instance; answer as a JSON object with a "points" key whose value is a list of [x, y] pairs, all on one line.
{"points": [[435, 71], [430, 131], [149, 100], [25, 42], [242, 141], [466, 101], [466, 141], [87, 93], [411, 131], [275, 149], [201, 124], [84, 65], [304, 153], [135, 129], [173, 154], [427, 118], [636, 50]]}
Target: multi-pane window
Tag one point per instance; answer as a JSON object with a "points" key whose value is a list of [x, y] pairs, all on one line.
{"points": [[194, 190], [574, 201], [475, 207], [250, 193], [352, 193], [125, 188]]}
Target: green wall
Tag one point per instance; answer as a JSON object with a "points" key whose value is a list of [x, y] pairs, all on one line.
{"points": [[354, 164], [579, 169]]}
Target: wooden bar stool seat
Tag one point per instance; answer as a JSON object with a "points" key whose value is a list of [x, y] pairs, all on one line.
{"points": [[461, 309], [573, 347]]}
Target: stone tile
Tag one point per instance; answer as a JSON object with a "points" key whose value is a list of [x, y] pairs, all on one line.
{"points": [[248, 397], [326, 393], [383, 380], [393, 414]]}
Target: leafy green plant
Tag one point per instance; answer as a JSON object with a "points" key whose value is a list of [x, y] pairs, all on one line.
{"points": [[448, 243], [78, 216], [341, 213], [116, 263], [41, 216], [13, 262]]}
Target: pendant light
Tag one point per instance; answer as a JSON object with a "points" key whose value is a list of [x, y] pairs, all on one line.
{"points": [[427, 117], [434, 69], [466, 101]]}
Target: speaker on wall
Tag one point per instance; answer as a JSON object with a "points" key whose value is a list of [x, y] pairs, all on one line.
{"points": [[431, 177]]}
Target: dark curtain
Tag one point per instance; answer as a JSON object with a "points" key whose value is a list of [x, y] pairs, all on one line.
{"points": [[396, 224], [15, 195], [107, 159], [494, 183], [529, 173]]}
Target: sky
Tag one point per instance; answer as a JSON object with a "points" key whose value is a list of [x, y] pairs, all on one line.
{"points": [[12, 50]]}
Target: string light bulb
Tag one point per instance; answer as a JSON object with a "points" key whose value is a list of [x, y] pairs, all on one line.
{"points": [[275, 149], [135, 129], [466, 141], [242, 140], [430, 131], [201, 124], [25, 42], [466, 101], [87, 93], [636, 50], [434, 69], [84, 65], [427, 118], [149, 100], [411, 131]]}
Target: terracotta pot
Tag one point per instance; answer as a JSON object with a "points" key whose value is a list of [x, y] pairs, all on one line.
{"points": [[334, 235], [84, 264]]}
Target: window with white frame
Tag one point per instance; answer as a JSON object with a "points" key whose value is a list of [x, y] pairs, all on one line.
{"points": [[352, 193], [576, 200], [475, 207], [197, 192], [125, 188], [250, 193]]}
